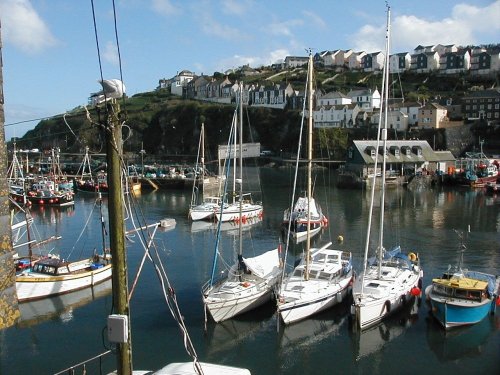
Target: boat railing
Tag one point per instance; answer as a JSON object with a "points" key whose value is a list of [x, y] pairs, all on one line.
{"points": [[90, 365]]}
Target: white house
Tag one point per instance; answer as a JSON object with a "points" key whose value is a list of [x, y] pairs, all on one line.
{"points": [[354, 61], [485, 61], [396, 120], [180, 81], [342, 57], [373, 62], [455, 62], [408, 108], [333, 98], [400, 62], [365, 99], [425, 62], [295, 61], [444, 49], [336, 116], [329, 58]]}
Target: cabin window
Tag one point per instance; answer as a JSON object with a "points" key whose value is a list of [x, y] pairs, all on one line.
{"points": [[460, 293], [319, 258], [297, 273], [441, 289], [313, 274], [373, 285], [332, 259], [324, 276]]}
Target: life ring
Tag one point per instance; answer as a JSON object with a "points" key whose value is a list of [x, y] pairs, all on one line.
{"points": [[387, 305], [412, 257], [246, 284]]}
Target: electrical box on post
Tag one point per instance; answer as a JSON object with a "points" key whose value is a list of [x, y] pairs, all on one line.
{"points": [[118, 328]]}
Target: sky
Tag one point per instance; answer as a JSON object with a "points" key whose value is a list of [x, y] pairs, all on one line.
{"points": [[53, 55]]}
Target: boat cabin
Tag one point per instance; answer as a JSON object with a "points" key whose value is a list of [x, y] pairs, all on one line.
{"points": [[56, 267], [461, 288]]}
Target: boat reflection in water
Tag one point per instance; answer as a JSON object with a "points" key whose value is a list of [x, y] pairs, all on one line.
{"points": [[461, 342], [61, 306], [226, 335], [230, 227], [296, 337], [373, 339]]}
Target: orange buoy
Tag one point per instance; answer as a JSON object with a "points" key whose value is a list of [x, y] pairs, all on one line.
{"points": [[415, 291]]}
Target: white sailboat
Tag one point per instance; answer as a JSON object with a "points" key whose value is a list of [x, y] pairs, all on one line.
{"points": [[324, 275], [305, 213], [206, 209], [243, 207], [250, 282], [391, 278]]}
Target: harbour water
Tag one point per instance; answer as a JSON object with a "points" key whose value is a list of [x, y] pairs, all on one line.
{"points": [[56, 335]]}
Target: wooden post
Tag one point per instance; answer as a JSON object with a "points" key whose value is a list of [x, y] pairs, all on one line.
{"points": [[9, 311], [116, 229]]}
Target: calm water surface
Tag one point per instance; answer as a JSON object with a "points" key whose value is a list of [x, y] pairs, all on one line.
{"points": [[72, 329]]}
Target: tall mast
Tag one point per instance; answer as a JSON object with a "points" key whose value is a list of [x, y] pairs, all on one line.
{"points": [[240, 156], [385, 107], [309, 160], [202, 154]]}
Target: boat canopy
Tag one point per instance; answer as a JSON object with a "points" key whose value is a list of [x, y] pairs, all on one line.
{"points": [[395, 253], [263, 265]]}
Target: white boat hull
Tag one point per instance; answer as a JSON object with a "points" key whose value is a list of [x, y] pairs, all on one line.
{"points": [[302, 236], [226, 308], [250, 285], [197, 215], [371, 307], [31, 287], [232, 213], [324, 299], [329, 282]]}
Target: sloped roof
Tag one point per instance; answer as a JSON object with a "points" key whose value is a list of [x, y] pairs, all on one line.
{"points": [[334, 95], [490, 93], [427, 153]]}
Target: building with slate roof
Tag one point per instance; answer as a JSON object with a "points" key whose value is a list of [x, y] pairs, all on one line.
{"points": [[403, 158], [482, 104]]}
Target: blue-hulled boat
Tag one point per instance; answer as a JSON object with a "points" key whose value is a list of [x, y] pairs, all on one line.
{"points": [[463, 297]]}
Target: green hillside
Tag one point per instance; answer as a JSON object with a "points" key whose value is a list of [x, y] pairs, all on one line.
{"points": [[167, 126]]}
